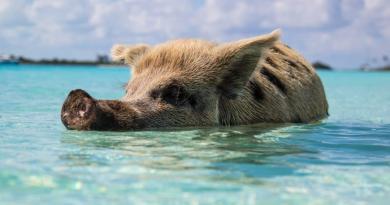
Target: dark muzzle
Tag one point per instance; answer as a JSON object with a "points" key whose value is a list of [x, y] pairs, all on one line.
{"points": [[82, 112]]}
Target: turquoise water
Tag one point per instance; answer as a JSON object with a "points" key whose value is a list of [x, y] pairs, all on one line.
{"points": [[343, 160]]}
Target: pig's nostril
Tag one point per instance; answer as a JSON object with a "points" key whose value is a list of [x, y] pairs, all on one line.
{"points": [[85, 107], [81, 113], [82, 107]]}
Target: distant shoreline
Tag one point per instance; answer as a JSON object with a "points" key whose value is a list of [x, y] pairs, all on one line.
{"points": [[380, 69], [76, 64], [101, 60], [316, 65]]}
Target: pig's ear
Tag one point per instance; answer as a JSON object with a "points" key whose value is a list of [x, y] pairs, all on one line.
{"points": [[237, 61], [128, 54]]}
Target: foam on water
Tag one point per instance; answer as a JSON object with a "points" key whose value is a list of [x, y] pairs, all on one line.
{"points": [[341, 160]]}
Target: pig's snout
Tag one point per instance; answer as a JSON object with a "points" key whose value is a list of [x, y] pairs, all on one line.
{"points": [[79, 110], [82, 112]]}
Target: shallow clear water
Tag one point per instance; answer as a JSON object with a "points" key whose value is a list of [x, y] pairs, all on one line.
{"points": [[344, 159]]}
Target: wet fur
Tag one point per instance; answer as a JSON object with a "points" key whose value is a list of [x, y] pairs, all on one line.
{"points": [[281, 87], [291, 92]]}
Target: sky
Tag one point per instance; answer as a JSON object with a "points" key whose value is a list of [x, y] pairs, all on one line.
{"points": [[344, 33]]}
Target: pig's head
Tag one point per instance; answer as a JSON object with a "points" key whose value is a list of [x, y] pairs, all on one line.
{"points": [[175, 84]]}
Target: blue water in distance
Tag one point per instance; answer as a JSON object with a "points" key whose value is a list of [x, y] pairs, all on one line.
{"points": [[342, 160]]}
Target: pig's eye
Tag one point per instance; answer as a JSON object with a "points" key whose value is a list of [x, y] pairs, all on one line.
{"points": [[175, 95]]}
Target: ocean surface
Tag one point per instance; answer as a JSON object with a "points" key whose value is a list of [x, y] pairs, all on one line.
{"points": [[345, 159]]}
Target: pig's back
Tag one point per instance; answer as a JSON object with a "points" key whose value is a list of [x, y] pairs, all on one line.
{"points": [[283, 88]]}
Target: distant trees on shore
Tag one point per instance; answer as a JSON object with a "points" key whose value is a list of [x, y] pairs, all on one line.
{"points": [[321, 66], [100, 60], [382, 64], [375, 64]]}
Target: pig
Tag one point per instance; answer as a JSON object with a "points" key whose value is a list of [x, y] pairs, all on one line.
{"points": [[193, 83]]}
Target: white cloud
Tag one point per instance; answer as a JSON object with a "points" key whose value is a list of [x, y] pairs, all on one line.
{"points": [[319, 28], [58, 12], [351, 9], [367, 34], [59, 23], [226, 19], [301, 13], [12, 12], [136, 19]]}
